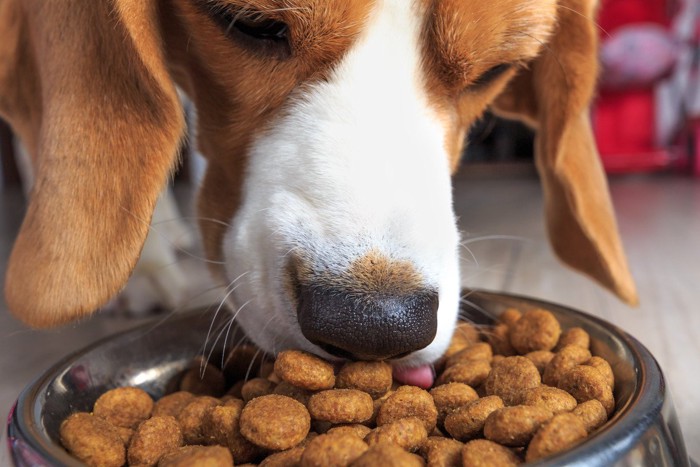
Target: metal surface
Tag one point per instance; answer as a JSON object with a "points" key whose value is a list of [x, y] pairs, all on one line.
{"points": [[643, 431]]}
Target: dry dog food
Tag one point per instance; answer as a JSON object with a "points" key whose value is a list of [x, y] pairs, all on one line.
{"points": [[560, 433], [93, 440], [467, 422], [516, 392], [374, 378], [333, 450]]}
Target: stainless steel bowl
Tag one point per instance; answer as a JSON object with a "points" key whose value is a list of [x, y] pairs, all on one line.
{"points": [[643, 431]]}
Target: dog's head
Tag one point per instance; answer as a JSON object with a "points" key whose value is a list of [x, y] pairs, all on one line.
{"points": [[331, 129]]}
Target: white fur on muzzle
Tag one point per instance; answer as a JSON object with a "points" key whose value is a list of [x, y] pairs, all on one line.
{"points": [[354, 164]]}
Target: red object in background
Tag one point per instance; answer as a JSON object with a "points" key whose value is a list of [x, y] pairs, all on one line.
{"points": [[624, 120], [616, 13]]}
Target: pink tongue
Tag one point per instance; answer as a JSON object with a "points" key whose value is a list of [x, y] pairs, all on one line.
{"points": [[421, 376]]}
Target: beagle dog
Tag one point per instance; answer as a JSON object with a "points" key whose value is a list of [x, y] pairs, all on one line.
{"points": [[331, 130]]}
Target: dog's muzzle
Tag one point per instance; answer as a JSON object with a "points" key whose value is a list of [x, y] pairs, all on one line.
{"points": [[365, 325]]}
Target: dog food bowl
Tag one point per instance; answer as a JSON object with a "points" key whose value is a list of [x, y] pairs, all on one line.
{"points": [[643, 431]]}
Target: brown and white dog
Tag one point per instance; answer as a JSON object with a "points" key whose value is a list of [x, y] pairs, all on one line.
{"points": [[331, 129]]}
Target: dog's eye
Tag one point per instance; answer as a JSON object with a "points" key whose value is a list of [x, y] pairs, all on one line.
{"points": [[490, 75], [253, 29], [261, 28]]}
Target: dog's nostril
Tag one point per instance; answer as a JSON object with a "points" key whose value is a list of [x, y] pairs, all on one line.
{"points": [[367, 326]]}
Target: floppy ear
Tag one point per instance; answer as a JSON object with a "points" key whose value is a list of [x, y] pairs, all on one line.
{"points": [[553, 94], [85, 85]]}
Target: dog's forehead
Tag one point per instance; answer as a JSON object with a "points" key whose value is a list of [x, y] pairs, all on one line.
{"points": [[469, 37]]}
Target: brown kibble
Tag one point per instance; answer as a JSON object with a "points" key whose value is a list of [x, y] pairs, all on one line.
{"points": [[377, 403], [332, 450], [125, 407], [465, 335], [93, 440], [485, 453], [341, 406], [235, 390], [586, 383], [553, 399], [188, 456], [387, 455], [509, 316], [540, 358], [220, 425], [203, 379], [496, 359], [257, 387], [467, 422], [592, 414], [574, 336], [560, 433], [192, 416], [219, 421], [442, 452], [408, 433], [499, 338], [451, 396], [535, 330], [288, 458], [563, 361], [478, 351], [605, 369], [361, 431], [242, 362], [153, 439], [300, 394], [125, 434], [172, 404], [275, 422], [267, 370], [515, 426], [304, 370], [409, 401], [373, 378], [511, 377], [470, 372]]}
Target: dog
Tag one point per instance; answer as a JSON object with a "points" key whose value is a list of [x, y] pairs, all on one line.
{"points": [[331, 129]]}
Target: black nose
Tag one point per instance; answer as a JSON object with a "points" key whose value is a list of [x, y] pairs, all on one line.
{"points": [[367, 326]]}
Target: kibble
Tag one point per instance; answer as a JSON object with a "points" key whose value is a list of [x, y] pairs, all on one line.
{"points": [[297, 411]]}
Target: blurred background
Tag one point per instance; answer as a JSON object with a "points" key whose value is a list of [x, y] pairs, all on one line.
{"points": [[646, 120]]}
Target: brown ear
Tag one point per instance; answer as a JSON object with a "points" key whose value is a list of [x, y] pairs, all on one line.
{"points": [[553, 95], [86, 86]]}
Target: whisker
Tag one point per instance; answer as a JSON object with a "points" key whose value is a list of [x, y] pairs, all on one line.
{"points": [[464, 245], [592, 20], [192, 219], [232, 288], [494, 237], [202, 367], [238, 344], [229, 326], [250, 366], [166, 240], [483, 317], [179, 308]]}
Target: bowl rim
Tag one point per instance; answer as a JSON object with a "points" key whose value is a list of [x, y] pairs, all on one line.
{"points": [[606, 444]]}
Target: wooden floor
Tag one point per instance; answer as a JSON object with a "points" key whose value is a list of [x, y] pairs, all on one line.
{"points": [[501, 219]]}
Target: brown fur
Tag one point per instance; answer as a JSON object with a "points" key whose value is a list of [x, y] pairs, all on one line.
{"points": [[372, 273], [89, 87]]}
